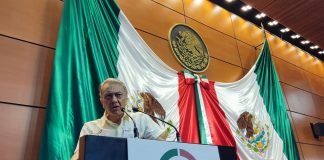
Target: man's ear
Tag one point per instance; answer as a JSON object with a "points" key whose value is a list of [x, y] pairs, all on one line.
{"points": [[101, 100]]}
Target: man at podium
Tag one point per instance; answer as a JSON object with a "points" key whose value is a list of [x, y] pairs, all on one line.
{"points": [[115, 122]]}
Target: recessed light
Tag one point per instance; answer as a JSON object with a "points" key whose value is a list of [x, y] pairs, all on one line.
{"points": [[261, 15], [305, 42], [273, 23], [246, 8]]}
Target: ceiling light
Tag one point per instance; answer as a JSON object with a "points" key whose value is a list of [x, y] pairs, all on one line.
{"points": [[246, 8], [261, 15], [305, 42], [321, 52], [273, 23], [296, 36], [229, 1], [313, 47], [284, 30]]}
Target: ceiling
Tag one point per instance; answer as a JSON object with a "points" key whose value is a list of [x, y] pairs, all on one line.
{"points": [[304, 17]]}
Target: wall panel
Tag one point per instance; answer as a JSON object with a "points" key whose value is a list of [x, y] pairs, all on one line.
{"points": [[291, 74], [220, 46], [311, 64], [247, 54], [301, 155], [162, 49], [316, 83], [31, 20], [175, 5], [303, 129], [319, 105], [221, 71], [312, 152], [150, 16], [25, 71], [209, 14], [284, 50], [292, 124], [285, 97], [20, 131], [300, 101], [246, 31]]}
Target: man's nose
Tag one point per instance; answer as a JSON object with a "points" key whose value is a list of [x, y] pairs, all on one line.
{"points": [[114, 98]]}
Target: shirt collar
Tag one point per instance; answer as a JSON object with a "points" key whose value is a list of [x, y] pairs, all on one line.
{"points": [[104, 121]]}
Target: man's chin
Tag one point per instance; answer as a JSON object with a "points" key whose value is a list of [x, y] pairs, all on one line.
{"points": [[116, 111]]}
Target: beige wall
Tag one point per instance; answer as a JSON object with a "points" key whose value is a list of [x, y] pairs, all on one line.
{"points": [[27, 42]]}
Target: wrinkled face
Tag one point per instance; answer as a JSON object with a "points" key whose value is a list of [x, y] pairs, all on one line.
{"points": [[113, 98]]}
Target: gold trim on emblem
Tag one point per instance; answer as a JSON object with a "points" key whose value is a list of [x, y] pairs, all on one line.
{"points": [[188, 48]]}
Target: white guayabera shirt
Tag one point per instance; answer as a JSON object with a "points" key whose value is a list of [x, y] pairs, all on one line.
{"points": [[147, 128]]}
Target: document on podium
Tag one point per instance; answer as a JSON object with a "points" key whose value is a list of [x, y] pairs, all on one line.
{"points": [[162, 150]]}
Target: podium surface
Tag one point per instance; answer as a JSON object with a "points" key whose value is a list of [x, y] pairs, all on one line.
{"points": [[112, 148]]}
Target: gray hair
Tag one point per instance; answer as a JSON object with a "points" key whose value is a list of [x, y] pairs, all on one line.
{"points": [[112, 81]]}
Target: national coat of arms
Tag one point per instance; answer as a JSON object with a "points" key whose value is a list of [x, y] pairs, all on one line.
{"points": [[253, 133], [189, 48]]}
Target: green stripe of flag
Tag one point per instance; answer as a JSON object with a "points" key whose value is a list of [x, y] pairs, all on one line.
{"points": [[273, 99], [86, 53]]}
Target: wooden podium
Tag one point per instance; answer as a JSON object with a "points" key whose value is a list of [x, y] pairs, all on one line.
{"points": [[111, 148]]}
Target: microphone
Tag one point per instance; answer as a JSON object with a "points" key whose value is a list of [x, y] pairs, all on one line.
{"points": [[177, 132], [135, 128]]}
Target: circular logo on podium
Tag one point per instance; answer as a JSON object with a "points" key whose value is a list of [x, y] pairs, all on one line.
{"points": [[174, 154], [189, 48]]}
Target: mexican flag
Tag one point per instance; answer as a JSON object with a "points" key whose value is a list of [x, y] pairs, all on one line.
{"points": [[258, 98], [96, 41]]}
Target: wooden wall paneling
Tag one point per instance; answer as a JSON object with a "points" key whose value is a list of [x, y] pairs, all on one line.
{"points": [[319, 105], [312, 152], [311, 64], [300, 101], [247, 54], [25, 71], [245, 71], [221, 71], [210, 14], [291, 74], [20, 131], [301, 155], [31, 20], [150, 16], [285, 51], [247, 31], [162, 48], [292, 126], [176, 5], [219, 45], [285, 96], [257, 52], [303, 129], [35, 132], [316, 83]]}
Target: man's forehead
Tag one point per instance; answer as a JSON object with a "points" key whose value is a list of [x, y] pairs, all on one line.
{"points": [[112, 87]]}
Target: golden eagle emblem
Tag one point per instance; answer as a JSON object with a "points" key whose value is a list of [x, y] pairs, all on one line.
{"points": [[189, 48]]}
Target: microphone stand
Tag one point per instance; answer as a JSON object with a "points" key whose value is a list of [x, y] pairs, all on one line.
{"points": [[177, 132], [135, 128]]}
